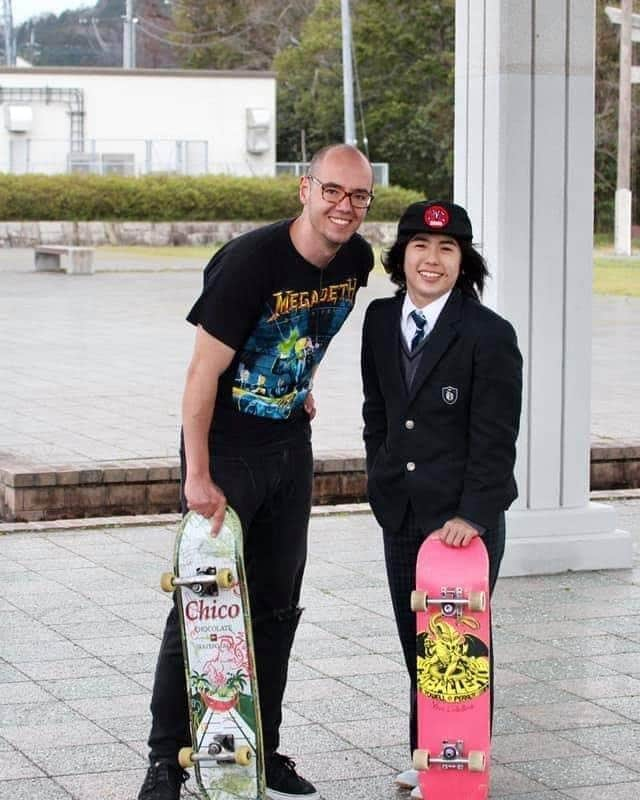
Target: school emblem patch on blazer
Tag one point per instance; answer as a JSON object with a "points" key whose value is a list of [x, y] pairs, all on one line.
{"points": [[449, 394]]}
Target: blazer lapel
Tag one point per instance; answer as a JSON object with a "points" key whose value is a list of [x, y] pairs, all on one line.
{"points": [[439, 341], [391, 339]]}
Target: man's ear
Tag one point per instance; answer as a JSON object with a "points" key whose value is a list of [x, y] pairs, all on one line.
{"points": [[303, 190]]}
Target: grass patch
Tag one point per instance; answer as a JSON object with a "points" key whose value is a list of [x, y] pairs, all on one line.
{"points": [[620, 276], [611, 275], [604, 242], [199, 252]]}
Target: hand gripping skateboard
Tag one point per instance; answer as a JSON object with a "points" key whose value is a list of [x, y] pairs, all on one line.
{"points": [[453, 651], [213, 604]]}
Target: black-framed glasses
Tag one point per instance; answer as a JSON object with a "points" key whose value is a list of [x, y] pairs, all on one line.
{"points": [[334, 194]]}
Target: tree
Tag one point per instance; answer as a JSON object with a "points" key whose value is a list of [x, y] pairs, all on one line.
{"points": [[310, 85], [404, 58], [404, 62], [245, 34], [90, 36], [154, 35], [404, 53]]}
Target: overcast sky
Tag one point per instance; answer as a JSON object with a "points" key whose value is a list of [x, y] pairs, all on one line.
{"points": [[23, 9]]}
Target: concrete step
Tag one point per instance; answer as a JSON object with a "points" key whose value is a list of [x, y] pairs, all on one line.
{"points": [[29, 492]]}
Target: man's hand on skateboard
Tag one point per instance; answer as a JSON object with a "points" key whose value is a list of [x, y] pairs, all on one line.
{"points": [[456, 532], [208, 499]]}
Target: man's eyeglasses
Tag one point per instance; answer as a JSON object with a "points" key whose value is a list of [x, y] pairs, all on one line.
{"points": [[333, 194]]}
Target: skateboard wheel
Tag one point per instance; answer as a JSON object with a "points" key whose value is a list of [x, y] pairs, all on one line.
{"points": [[166, 582], [418, 601], [243, 756], [421, 759], [224, 578], [477, 601], [476, 761], [185, 757]]}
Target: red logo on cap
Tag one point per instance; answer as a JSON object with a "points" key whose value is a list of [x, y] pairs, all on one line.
{"points": [[436, 217]]}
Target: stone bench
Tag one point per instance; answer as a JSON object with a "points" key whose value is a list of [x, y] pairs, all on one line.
{"points": [[64, 258]]}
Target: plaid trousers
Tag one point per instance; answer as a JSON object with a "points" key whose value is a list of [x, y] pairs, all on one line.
{"points": [[401, 553]]}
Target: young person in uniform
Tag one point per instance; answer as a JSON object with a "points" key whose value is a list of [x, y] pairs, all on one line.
{"points": [[442, 379], [272, 301]]}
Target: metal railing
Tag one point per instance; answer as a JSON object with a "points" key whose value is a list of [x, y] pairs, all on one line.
{"points": [[108, 156], [136, 157], [299, 168]]}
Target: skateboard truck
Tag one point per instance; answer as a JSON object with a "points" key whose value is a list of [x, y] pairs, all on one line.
{"points": [[205, 581], [221, 750], [451, 600], [451, 757]]}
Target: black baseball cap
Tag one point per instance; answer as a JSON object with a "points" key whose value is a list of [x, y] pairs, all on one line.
{"points": [[436, 216]]}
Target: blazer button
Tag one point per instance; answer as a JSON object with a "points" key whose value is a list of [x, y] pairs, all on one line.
{"points": [[410, 466], [409, 424]]}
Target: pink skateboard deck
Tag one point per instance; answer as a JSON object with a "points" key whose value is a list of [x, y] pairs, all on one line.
{"points": [[451, 602]]}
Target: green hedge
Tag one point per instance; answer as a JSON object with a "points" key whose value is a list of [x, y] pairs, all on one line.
{"points": [[166, 198]]}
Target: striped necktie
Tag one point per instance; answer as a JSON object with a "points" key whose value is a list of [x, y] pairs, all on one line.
{"points": [[420, 322]]}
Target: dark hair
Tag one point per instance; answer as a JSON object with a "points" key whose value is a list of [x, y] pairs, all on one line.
{"points": [[473, 267]]}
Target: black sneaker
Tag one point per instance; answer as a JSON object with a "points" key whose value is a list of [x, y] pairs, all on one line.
{"points": [[284, 783], [163, 782]]}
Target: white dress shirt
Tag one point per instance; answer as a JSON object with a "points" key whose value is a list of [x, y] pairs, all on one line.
{"points": [[431, 313]]}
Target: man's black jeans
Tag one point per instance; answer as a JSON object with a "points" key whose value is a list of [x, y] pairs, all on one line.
{"points": [[271, 493]]}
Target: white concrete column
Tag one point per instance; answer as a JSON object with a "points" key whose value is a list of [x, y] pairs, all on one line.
{"points": [[524, 141]]}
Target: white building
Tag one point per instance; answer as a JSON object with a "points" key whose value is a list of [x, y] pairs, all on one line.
{"points": [[135, 122]]}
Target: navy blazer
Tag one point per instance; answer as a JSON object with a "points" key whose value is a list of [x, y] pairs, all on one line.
{"points": [[446, 445]]}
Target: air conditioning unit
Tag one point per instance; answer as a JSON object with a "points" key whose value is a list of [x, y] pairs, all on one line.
{"points": [[118, 164], [258, 130], [18, 119]]}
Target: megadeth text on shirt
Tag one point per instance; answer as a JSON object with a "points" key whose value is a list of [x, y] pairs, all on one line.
{"points": [[288, 301]]}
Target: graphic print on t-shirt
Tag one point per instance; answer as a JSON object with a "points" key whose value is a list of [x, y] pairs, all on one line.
{"points": [[275, 366]]}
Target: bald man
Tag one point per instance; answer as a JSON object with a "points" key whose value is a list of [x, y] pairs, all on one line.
{"points": [[272, 301]]}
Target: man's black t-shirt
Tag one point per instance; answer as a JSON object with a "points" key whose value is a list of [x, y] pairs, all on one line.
{"points": [[278, 312]]}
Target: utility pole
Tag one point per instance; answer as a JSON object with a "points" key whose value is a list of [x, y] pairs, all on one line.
{"points": [[623, 184], [347, 77], [629, 33], [9, 54], [129, 37]]}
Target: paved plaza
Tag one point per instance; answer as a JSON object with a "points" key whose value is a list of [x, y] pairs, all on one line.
{"points": [[82, 616], [91, 369]]}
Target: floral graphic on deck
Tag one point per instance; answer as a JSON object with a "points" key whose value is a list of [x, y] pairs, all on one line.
{"points": [[218, 687], [234, 784], [222, 694]]}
